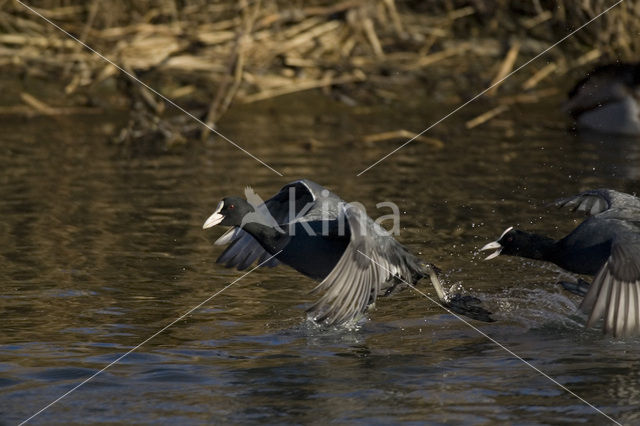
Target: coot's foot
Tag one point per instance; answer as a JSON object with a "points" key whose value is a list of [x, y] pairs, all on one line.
{"points": [[469, 306], [580, 287]]}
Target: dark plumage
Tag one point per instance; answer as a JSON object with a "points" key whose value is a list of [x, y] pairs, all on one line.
{"points": [[315, 232], [606, 245], [607, 100]]}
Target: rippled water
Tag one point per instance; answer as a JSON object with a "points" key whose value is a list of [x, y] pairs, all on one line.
{"points": [[101, 246]]}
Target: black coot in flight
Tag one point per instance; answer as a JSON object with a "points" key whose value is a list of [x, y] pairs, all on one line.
{"points": [[312, 230], [606, 245]]}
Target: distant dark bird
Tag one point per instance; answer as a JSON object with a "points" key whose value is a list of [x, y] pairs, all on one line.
{"points": [[606, 244], [315, 232], [607, 100]]}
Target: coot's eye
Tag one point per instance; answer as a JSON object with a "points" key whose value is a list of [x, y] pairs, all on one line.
{"points": [[231, 206], [509, 239]]}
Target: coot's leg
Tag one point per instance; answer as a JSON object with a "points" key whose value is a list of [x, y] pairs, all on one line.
{"points": [[580, 287]]}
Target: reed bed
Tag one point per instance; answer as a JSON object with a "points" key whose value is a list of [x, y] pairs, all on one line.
{"points": [[210, 55]]}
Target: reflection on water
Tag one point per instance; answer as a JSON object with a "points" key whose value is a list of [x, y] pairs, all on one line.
{"points": [[101, 247]]}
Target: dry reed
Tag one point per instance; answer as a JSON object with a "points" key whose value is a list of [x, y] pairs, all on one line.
{"points": [[211, 55]]}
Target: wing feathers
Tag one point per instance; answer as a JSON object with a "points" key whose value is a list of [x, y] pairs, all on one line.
{"points": [[589, 301], [615, 291], [611, 302], [634, 308], [269, 264], [343, 284], [359, 275], [231, 252], [596, 201], [614, 315], [347, 306], [253, 253], [623, 311], [587, 202]]}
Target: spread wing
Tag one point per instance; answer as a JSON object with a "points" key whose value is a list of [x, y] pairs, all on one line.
{"points": [[597, 201], [244, 250], [615, 291], [367, 263]]}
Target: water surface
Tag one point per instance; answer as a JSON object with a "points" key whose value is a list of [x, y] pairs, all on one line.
{"points": [[101, 246]]}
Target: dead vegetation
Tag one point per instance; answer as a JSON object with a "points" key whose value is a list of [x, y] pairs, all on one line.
{"points": [[207, 55]]}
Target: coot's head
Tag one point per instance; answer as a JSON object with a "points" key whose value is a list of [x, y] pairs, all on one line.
{"points": [[510, 243], [230, 212], [514, 242]]}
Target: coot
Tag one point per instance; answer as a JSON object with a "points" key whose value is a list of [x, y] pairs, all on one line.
{"points": [[607, 100], [606, 245], [312, 230]]}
